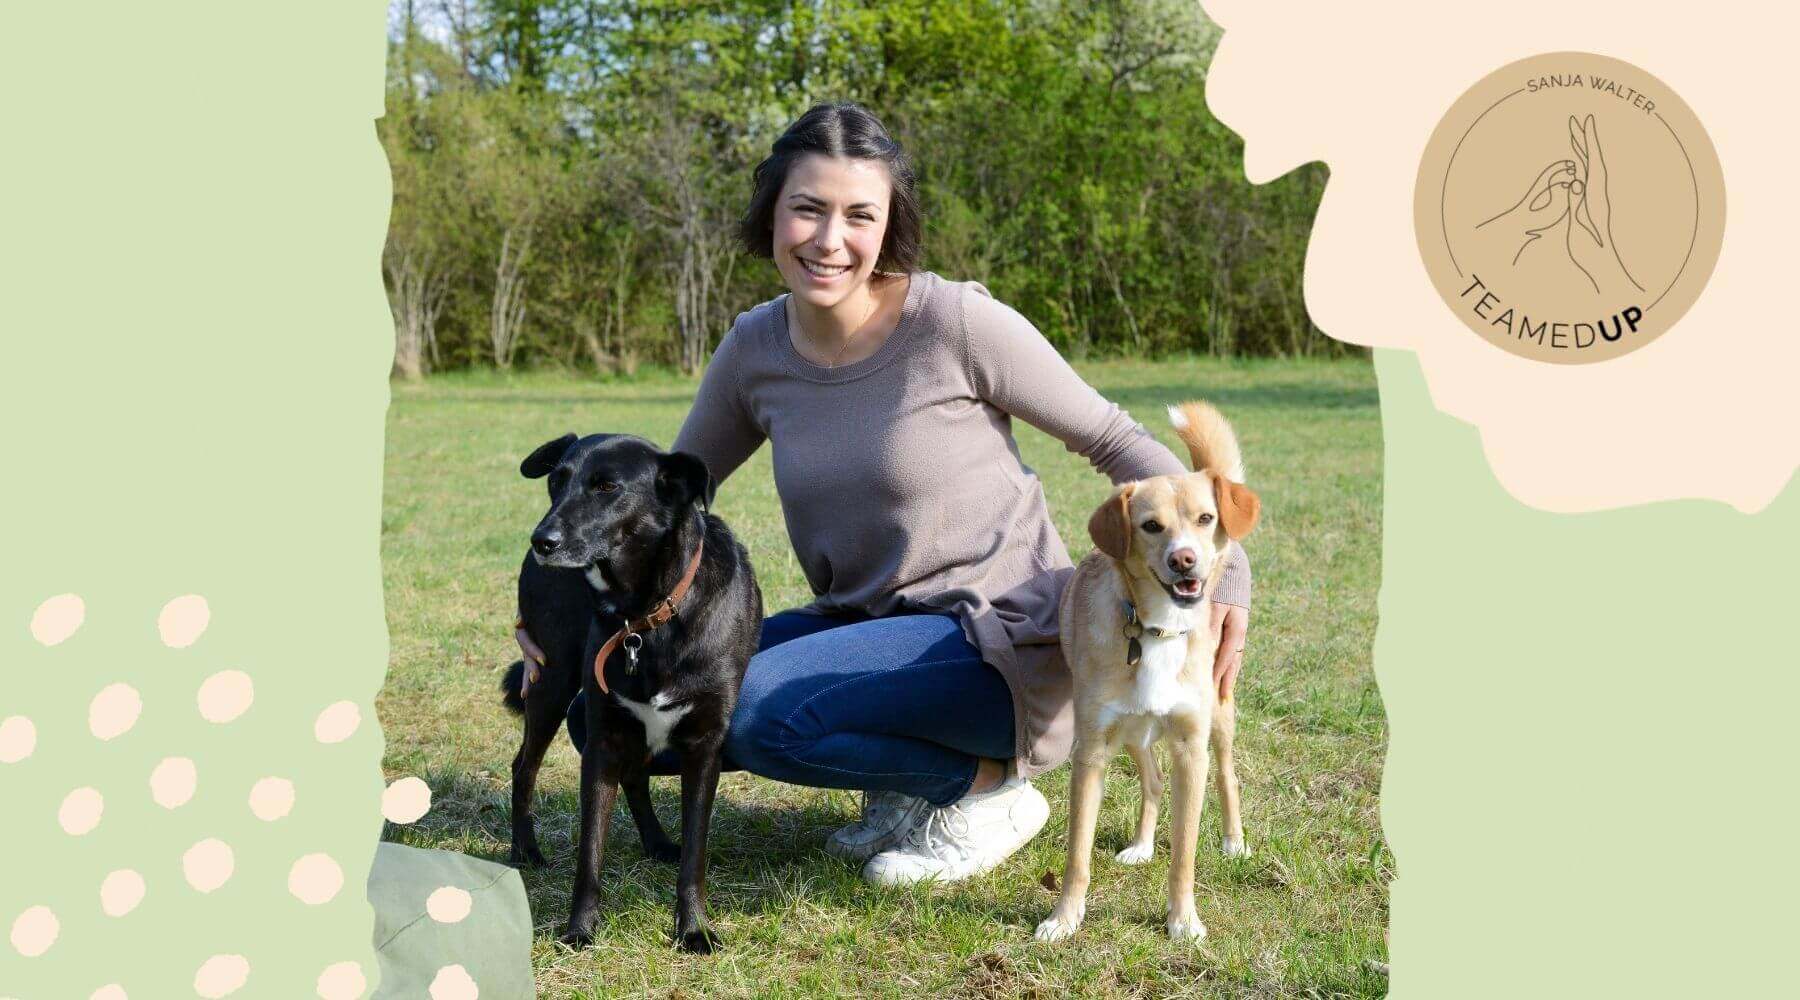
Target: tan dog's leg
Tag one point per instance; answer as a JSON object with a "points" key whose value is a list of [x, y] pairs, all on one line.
{"points": [[1224, 728], [1187, 766], [1150, 789], [1084, 811]]}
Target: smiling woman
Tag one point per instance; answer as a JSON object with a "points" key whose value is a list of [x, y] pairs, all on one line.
{"points": [[926, 671]]}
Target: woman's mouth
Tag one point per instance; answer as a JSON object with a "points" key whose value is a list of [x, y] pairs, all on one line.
{"points": [[823, 272]]}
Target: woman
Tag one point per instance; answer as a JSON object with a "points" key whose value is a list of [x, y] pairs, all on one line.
{"points": [[926, 672]]}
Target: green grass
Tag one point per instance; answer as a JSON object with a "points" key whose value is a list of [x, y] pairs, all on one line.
{"points": [[1303, 917]]}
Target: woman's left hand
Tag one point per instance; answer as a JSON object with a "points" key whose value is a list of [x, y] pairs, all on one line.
{"points": [[1229, 625]]}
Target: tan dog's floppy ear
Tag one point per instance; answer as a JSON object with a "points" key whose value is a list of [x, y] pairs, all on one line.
{"points": [[1239, 506], [1110, 525]]}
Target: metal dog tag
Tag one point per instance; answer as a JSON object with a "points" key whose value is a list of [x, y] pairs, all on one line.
{"points": [[633, 643]]}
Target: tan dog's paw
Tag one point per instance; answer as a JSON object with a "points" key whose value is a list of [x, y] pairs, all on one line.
{"points": [[1057, 927], [1135, 854], [1235, 848], [1187, 929]]}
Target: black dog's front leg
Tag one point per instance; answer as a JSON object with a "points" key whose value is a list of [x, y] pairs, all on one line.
{"points": [[657, 845], [599, 790], [699, 783]]}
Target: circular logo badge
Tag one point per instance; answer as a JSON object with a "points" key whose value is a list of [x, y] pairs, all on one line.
{"points": [[1570, 208]]}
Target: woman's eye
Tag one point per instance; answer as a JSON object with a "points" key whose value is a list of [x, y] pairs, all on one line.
{"points": [[1153, 527], [1204, 519]]}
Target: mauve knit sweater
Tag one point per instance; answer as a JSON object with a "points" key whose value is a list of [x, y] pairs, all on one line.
{"points": [[902, 486]]}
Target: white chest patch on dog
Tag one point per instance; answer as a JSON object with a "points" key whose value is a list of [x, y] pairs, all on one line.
{"points": [[595, 580], [658, 718], [1157, 692]]}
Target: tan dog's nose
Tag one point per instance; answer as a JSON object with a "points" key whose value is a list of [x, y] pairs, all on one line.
{"points": [[1182, 560]]}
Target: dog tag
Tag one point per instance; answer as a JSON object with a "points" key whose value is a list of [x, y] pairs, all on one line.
{"points": [[633, 643]]}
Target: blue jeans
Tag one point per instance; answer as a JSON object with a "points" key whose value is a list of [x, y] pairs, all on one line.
{"points": [[901, 704]]}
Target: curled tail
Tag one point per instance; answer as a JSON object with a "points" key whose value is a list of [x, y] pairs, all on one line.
{"points": [[1211, 443], [512, 687]]}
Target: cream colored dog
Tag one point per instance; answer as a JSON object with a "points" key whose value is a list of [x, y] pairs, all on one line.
{"points": [[1135, 633]]}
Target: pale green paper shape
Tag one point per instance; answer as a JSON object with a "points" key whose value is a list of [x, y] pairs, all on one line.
{"points": [[194, 384], [1589, 785]]}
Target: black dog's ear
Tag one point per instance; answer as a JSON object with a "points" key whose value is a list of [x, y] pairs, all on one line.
{"points": [[538, 464], [687, 480]]}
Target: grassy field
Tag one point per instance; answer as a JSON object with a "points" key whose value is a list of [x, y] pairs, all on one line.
{"points": [[1303, 917]]}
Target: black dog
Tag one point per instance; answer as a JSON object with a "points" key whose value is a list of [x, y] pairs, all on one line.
{"points": [[627, 524]]}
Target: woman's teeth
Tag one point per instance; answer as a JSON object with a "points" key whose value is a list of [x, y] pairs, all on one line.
{"points": [[822, 270]]}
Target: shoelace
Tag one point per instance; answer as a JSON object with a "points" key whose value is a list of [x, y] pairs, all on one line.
{"points": [[942, 821]]}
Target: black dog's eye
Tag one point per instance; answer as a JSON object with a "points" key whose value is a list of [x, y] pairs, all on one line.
{"points": [[1204, 519], [606, 486], [1153, 527]]}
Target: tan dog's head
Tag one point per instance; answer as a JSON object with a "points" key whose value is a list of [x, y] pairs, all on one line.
{"points": [[1174, 530]]}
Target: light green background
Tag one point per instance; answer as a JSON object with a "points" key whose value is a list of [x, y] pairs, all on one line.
{"points": [[1589, 786]]}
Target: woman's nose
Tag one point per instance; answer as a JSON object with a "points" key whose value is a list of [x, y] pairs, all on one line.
{"points": [[828, 236]]}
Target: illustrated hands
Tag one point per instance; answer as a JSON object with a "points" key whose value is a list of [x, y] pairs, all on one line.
{"points": [[1546, 203], [1594, 250], [1230, 624]]}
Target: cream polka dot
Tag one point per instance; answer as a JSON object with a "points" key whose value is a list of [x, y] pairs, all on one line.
{"points": [[272, 798], [57, 618], [182, 620], [172, 783], [449, 904], [453, 982], [343, 981], [208, 864], [34, 931], [226, 695], [406, 800], [121, 892], [18, 738], [111, 991], [114, 711], [315, 879], [80, 811], [337, 722], [221, 976]]}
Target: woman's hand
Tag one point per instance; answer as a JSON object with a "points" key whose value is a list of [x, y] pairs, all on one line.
{"points": [[1230, 624], [534, 657]]}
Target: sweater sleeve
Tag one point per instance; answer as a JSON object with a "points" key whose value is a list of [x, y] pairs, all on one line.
{"points": [[719, 429], [1012, 366]]}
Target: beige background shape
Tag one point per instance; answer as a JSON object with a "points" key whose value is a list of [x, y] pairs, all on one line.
{"points": [[1706, 410]]}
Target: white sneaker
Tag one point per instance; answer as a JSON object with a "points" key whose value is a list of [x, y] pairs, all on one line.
{"points": [[965, 838], [886, 817]]}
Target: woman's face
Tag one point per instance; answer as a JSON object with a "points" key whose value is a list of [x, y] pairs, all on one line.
{"points": [[830, 218]]}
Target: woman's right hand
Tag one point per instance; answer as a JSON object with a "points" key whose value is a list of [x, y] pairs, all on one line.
{"points": [[534, 656]]}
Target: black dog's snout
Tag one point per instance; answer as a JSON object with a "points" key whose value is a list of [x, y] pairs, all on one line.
{"points": [[546, 540], [1182, 560]]}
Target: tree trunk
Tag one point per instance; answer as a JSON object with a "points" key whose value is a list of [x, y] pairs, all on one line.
{"points": [[506, 317]]}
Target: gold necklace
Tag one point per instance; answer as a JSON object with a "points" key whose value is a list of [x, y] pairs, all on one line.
{"points": [[833, 363]]}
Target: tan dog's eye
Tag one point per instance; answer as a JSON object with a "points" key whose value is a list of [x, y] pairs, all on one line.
{"points": [[1153, 527], [1204, 520]]}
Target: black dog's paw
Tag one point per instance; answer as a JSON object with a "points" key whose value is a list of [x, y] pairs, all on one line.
{"points": [[527, 854], [577, 939], [700, 941], [668, 852]]}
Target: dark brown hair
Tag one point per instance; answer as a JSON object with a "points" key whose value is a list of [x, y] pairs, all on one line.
{"points": [[849, 130]]}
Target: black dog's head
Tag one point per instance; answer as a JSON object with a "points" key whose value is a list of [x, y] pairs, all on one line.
{"points": [[613, 498]]}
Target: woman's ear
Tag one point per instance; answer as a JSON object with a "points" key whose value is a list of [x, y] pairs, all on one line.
{"points": [[1239, 507], [1110, 525]]}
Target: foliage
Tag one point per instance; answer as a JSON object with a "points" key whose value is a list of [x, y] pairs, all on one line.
{"points": [[567, 174]]}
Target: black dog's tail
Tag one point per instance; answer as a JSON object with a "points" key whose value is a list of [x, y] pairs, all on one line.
{"points": [[512, 687]]}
